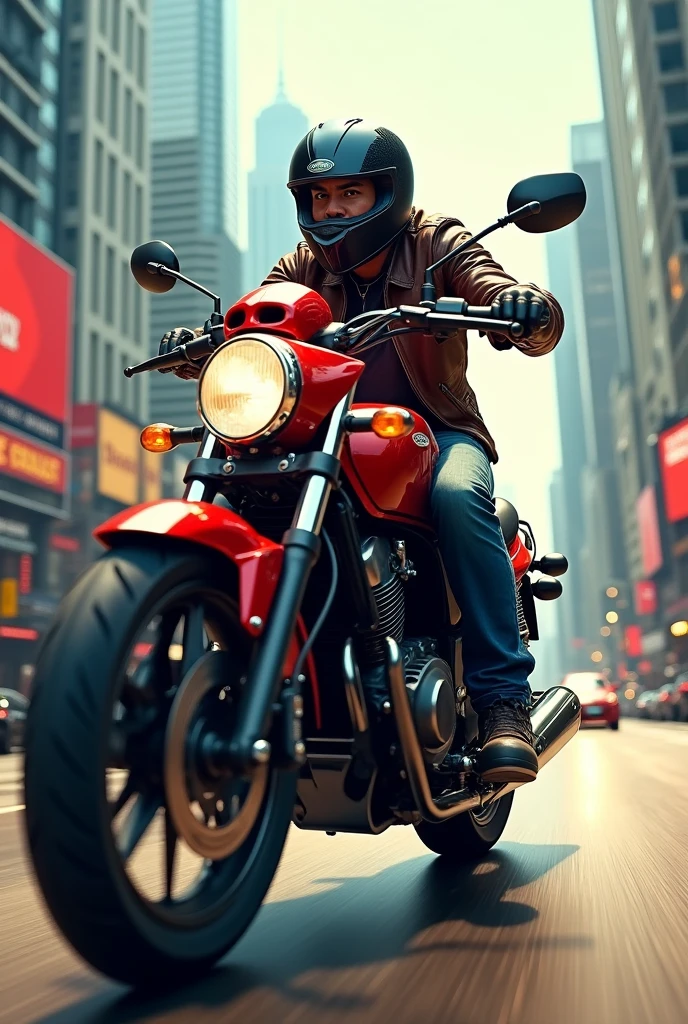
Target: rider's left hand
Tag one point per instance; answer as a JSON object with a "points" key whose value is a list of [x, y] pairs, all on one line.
{"points": [[525, 304]]}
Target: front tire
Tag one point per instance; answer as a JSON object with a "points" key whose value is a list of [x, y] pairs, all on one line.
{"points": [[468, 836], [81, 861]]}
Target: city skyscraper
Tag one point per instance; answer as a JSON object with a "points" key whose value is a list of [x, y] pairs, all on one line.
{"points": [[194, 173], [272, 227], [643, 61], [29, 79], [104, 193]]}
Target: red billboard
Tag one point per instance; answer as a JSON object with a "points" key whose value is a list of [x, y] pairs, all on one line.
{"points": [[645, 597], [35, 337], [648, 525], [633, 641], [673, 460]]}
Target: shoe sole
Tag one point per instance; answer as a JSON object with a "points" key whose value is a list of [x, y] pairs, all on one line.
{"points": [[509, 773]]}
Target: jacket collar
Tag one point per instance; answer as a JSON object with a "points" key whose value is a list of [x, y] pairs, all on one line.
{"points": [[401, 268]]}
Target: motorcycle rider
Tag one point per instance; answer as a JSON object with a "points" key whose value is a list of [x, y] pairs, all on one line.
{"points": [[366, 247]]}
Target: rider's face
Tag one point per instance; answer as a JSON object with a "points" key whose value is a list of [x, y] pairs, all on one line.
{"points": [[343, 197]]}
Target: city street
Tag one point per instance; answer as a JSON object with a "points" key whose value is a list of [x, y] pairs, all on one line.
{"points": [[579, 916]]}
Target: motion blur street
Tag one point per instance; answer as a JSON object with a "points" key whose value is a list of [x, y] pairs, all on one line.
{"points": [[580, 914]]}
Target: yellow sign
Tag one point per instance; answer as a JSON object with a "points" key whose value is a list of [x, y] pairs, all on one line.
{"points": [[9, 598], [118, 458], [151, 476]]}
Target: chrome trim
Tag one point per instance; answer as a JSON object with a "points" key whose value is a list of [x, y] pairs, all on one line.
{"points": [[209, 448], [413, 755], [292, 386], [313, 501]]}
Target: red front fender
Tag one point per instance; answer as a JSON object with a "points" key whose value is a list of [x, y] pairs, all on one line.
{"points": [[258, 560]]}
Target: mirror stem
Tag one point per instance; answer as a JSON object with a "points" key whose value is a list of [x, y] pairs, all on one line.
{"points": [[428, 290], [160, 268]]}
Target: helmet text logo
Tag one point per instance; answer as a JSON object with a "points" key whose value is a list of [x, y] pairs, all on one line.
{"points": [[320, 166]]}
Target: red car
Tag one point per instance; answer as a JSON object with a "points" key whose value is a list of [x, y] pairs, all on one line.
{"points": [[599, 703]]}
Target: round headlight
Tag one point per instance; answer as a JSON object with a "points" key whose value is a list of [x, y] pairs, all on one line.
{"points": [[248, 388]]}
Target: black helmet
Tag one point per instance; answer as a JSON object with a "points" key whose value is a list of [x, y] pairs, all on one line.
{"points": [[352, 148]]}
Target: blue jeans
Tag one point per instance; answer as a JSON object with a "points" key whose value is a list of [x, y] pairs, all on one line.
{"points": [[496, 661]]}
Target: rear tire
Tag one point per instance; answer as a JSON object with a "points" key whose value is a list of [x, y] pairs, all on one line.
{"points": [[464, 838], [69, 818], [614, 726]]}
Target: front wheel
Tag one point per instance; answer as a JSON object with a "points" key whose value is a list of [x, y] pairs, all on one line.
{"points": [[152, 860], [468, 836]]}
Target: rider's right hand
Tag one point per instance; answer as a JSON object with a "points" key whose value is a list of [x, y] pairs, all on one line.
{"points": [[169, 341]]}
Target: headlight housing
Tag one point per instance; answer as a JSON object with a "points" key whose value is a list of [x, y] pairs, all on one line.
{"points": [[248, 388]]}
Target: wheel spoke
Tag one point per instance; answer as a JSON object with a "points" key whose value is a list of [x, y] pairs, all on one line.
{"points": [[140, 816], [170, 852], [194, 638]]}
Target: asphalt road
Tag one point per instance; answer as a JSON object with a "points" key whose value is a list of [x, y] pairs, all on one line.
{"points": [[579, 916]]}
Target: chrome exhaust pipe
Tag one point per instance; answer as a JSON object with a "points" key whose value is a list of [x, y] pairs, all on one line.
{"points": [[413, 755], [556, 718]]}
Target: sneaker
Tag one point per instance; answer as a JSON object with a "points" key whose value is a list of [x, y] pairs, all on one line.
{"points": [[507, 752]]}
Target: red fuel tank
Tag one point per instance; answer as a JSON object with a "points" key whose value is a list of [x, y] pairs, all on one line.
{"points": [[392, 476]]}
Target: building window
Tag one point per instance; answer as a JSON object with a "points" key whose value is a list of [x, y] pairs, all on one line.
{"points": [[76, 11], [49, 76], [46, 155], [637, 152], [98, 178], [627, 62], [124, 297], [49, 115], [128, 118], [140, 133], [670, 56], [681, 180], [141, 54], [125, 392], [116, 23], [46, 194], [93, 389], [110, 285], [114, 102], [55, 6], [95, 273], [102, 17], [139, 226], [632, 105], [43, 232], [665, 17], [678, 134], [129, 41], [621, 18], [69, 246], [676, 97], [109, 360], [126, 208], [51, 40], [112, 192], [684, 225], [74, 76], [72, 169], [100, 88]]}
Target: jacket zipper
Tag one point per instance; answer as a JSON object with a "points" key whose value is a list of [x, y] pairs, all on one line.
{"points": [[452, 398]]}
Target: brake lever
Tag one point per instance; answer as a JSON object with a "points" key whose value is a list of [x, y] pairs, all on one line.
{"points": [[189, 353]]}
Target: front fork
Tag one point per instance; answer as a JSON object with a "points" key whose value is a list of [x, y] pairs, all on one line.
{"points": [[301, 542]]}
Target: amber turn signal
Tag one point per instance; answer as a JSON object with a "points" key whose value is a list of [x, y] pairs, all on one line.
{"points": [[391, 422], [157, 438]]}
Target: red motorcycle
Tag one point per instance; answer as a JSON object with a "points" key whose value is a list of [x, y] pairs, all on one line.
{"points": [[281, 645]]}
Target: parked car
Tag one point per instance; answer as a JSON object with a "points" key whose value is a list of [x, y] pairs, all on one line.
{"points": [[644, 703], [661, 708], [679, 698], [599, 703], [13, 708]]}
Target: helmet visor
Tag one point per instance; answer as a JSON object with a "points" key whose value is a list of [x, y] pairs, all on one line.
{"points": [[333, 229]]}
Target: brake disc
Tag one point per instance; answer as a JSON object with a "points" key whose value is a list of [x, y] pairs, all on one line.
{"points": [[228, 815]]}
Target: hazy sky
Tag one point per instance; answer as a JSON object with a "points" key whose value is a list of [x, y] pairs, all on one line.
{"points": [[483, 92]]}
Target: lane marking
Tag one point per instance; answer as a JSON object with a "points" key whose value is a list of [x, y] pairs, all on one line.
{"points": [[11, 810]]}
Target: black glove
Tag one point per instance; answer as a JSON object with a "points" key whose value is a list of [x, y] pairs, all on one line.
{"points": [[525, 304], [169, 341]]}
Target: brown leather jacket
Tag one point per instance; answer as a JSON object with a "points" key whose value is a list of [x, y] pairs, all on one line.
{"points": [[437, 372]]}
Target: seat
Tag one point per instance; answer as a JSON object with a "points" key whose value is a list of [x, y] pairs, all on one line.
{"points": [[508, 520]]}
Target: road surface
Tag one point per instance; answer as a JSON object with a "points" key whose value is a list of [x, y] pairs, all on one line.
{"points": [[579, 916]]}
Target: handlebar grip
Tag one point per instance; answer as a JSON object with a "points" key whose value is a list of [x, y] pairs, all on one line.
{"points": [[188, 353]]}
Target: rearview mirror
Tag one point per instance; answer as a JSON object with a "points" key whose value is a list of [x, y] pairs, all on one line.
{"points": [[561, 197], [154, 252]]}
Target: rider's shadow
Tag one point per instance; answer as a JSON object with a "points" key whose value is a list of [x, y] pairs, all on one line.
{"points": [[359, 921]]}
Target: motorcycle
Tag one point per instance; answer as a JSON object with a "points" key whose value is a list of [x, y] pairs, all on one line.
{"points": [[279, 646]]}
